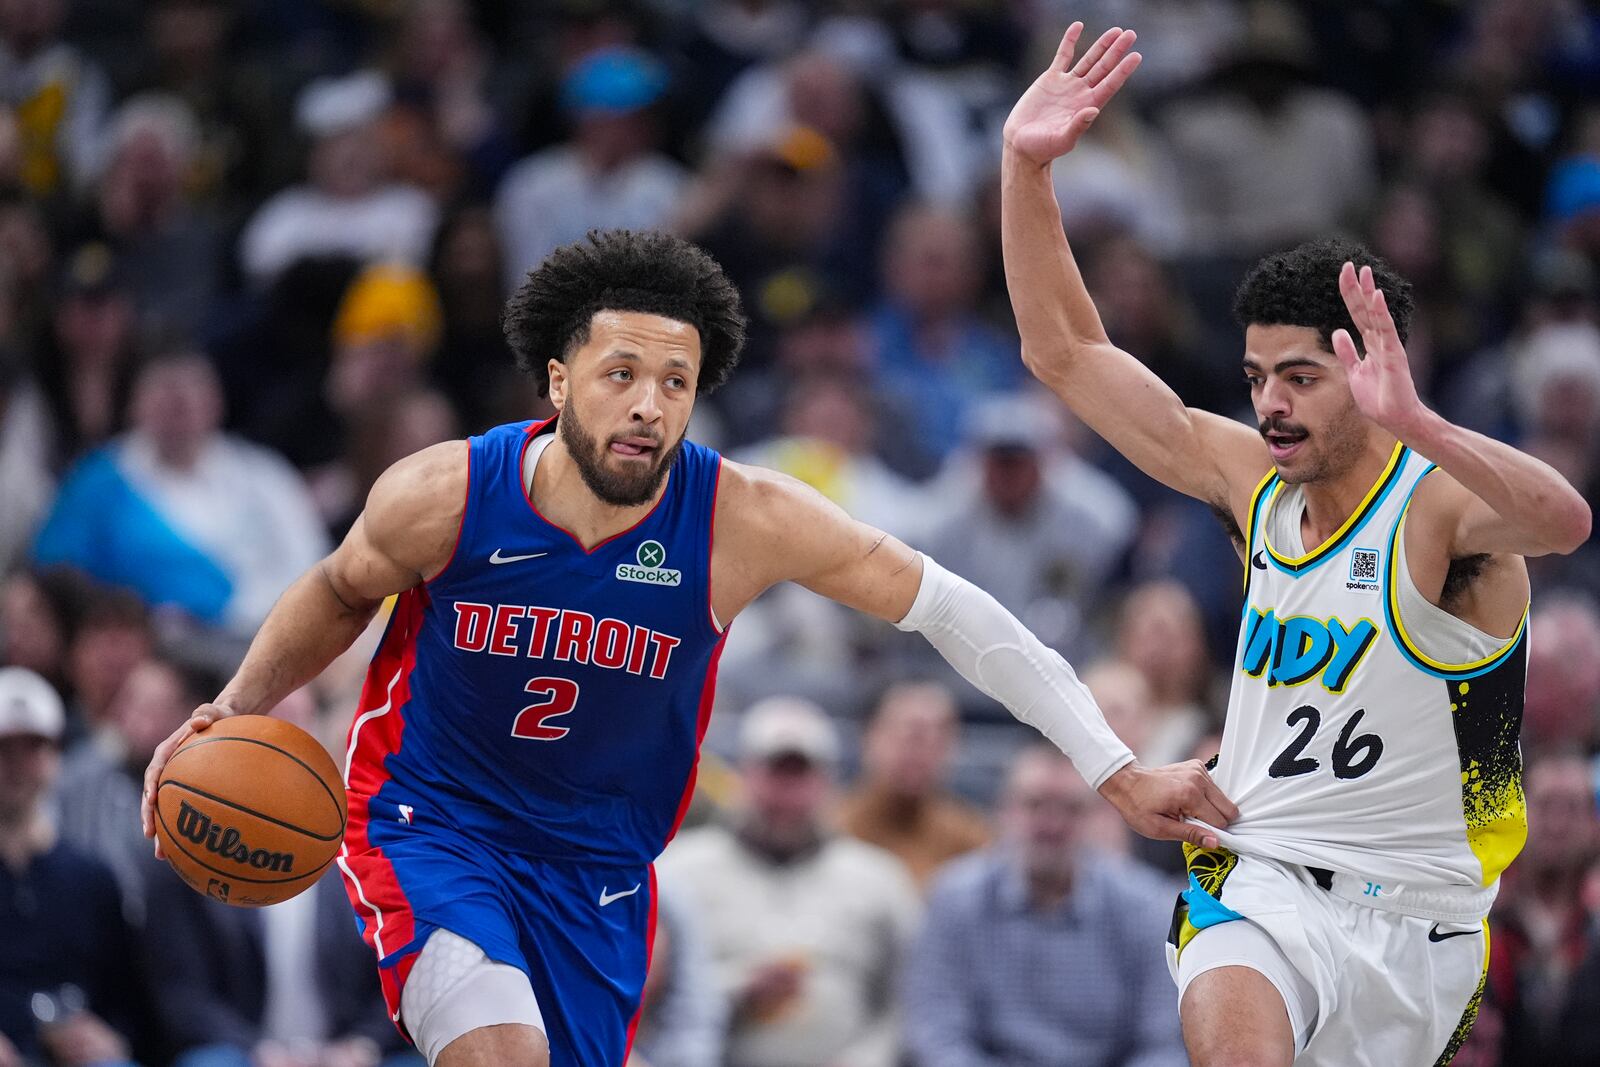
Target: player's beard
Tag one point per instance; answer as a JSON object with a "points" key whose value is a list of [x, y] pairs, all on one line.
{"points": [[618, 488]]}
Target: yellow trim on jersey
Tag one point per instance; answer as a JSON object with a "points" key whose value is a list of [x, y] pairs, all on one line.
{"points": [[1398, 624], [1355, 516], [1250, 521]]}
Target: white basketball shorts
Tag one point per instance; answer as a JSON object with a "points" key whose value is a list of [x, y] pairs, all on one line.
{"points": [[1364, 985]]}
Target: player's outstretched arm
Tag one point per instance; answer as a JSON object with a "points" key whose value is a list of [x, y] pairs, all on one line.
{"points": [[405, 536], [771, 528], [1496, 499], [1064, 342]]}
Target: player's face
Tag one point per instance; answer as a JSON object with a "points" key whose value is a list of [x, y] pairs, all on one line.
{"points": [[1303, 404], [625, 397]]}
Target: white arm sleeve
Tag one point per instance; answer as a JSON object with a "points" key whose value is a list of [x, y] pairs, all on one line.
{"points": [[998, 655]]}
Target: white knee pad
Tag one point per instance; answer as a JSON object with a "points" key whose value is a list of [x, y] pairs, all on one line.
{"points": [[1244, 944], [454, 988]]}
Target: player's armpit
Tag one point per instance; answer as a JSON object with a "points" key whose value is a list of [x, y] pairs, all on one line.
{"points": [[408, 531], [771, 528]]}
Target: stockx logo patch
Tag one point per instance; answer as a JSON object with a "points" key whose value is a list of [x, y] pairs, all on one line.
{"points": [[650, 567]]}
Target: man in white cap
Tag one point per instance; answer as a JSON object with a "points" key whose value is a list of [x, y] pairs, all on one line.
{"points": [[349, 206], [806, 928], [67, 990]]}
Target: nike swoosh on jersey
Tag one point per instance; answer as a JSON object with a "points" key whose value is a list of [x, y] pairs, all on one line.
{"points": [[607, 898], [1259, 561], [1435, 935], [498, 558]]}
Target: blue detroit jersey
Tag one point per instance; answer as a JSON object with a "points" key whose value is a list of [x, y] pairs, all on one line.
{"points": [[539, 698]]}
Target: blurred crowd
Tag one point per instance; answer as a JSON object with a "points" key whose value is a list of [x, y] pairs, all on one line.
{"points": [[254, 251]]}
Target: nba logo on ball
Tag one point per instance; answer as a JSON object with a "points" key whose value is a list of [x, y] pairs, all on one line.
{"points": [[649, 571], [250, 811]]}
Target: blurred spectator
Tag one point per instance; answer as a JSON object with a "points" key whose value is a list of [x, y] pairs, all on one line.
{"points": [[843, 102], [110, 637], [723, 38], [445, 133], [1562, 706], [287, 986], [169, 252], [385, 332], [97, 796], [1042, 951], [1572, 196], [1541, 927], [929, 348], [69, 987], [773, 218], [682, 1012], [1146, 315], [59, 94], [1123, 182], [1160, 634], [184, 514], [1035, 526], [806, 928], [39, 612], [477, 371], [825, 436], [1267, 158], [89, 376], [411, 422], [26, 457], [609, 176], [901, 803], [349, 205]]}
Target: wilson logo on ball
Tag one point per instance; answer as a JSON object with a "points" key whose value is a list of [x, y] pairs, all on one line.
{"points": [[226, 842]]}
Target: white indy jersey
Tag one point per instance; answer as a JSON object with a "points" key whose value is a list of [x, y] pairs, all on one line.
{"points": [[1369, 732]]}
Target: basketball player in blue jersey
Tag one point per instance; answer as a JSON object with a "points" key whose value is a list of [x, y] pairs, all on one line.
{"points": [[1371, 735], [528, 734]]}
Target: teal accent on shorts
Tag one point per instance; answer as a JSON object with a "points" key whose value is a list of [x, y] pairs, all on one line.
{"points": [[1204, 909]]}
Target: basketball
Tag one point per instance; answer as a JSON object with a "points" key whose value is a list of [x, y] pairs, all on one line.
{"points": [[250, 811]]}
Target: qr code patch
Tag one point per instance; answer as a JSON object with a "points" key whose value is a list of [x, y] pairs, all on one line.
{"points": [[1364, 565]]}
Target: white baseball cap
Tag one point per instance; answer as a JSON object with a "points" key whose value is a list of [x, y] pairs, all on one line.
{"points": [[29, 705], [785, 726]]}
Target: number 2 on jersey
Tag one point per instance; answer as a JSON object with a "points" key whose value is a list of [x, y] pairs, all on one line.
{"points": [[1353, 755], [530, 721]]}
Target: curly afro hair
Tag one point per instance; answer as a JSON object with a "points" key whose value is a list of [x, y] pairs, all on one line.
{"points": [[1301, 288], [624, 270]]}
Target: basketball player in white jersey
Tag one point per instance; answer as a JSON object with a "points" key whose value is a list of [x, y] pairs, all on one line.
{"points": [[1371, 737]]}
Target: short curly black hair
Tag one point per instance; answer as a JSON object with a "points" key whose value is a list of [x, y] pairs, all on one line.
{"points": [[624, 270], [1300, 287]]}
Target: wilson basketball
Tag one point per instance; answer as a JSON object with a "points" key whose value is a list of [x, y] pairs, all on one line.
{"points": [[250, 811]]}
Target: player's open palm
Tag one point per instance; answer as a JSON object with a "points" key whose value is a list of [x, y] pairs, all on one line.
{"points": [[1067, 97], [1379, 373]]}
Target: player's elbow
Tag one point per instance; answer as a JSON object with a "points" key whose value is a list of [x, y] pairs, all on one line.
{"points": [[1573, 524]]}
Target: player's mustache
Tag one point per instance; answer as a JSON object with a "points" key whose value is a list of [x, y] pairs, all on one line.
{"points": [[1288, 429]]}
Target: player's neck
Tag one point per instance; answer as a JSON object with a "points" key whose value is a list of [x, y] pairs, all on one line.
{"points": [[1330, 501], [558, 490]]}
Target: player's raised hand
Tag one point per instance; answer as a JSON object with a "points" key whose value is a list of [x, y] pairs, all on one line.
{"points": [[1155, 801], [1050, 117], [1380, 379], [203, 716]]}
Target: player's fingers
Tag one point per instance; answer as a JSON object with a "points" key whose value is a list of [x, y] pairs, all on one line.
{"points": [[1113, 55], [1096, 50], [1219, 800], [1114, 81], [1355, 298], [1387, 331], [1167, 829], [1344, 346], [1069, 45]]}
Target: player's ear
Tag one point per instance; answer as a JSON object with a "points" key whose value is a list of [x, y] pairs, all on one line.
{"points": [[558, 383]]}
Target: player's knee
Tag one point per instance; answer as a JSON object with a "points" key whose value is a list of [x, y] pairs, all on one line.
{"points": [[502, 1045]]}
